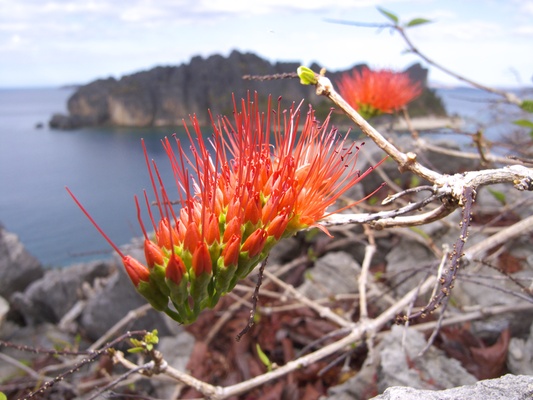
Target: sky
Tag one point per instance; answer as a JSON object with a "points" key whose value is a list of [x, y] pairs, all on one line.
{"points": [[53, 43]]}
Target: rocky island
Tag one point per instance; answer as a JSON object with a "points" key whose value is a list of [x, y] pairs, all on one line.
{"points": [[164, 95]]}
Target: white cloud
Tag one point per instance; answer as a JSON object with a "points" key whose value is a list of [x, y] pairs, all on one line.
{"points": [[524, 30], [526, 6], [460, 30], [97, 38]]}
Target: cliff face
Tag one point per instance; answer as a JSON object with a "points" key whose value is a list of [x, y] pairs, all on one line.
{"points": [[163, 96]]}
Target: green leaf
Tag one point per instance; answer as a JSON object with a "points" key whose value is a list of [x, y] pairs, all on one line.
{"points": [[263, 357], [498, 196], [3, 396], [307, 76], [527, 105], [417, 21], [135, 350], [523, 122], [389, 15], [151, 337]]}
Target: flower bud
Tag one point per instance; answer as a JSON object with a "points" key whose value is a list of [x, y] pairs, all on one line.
{"points": [[153, 254], [233, 227], [255, 243], [175, 269], [231, 251], [192, 237], [252, 211], [201, 260], [166, 235], [278, 226], [136, 271]]}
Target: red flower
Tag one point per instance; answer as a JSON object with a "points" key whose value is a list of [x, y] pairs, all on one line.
{"points": [[261, 180], [376, 92]]}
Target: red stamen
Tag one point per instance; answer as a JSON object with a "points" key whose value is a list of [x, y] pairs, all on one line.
{"points": [[113, 245]]}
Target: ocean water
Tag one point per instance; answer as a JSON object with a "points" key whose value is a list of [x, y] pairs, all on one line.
{"points": [[104, 167]]}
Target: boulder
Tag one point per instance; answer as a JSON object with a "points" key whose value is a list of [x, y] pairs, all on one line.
{"points": [[18, 268], [51, 297], [164, 96], [113, 302], [520, 355], [334, 273], [508, 387]]}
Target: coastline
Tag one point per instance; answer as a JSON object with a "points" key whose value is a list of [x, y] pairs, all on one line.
{"points": [[422, 123]]}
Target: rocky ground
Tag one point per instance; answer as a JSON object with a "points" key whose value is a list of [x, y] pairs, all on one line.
{"points": [[486, 352]]}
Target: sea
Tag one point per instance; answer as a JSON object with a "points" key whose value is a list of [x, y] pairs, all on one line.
{"points": [[105, 168]]}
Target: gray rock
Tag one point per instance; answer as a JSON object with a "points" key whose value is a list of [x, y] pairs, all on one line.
{"points": [[335, 273], [43, 336], [359, 387], [401, 366], [176, 350], [112, 303], [18, 268], [4, 309], [162, 96], [508, 387], [406, 265], [50, 298], [520, 355], [394, 364]]}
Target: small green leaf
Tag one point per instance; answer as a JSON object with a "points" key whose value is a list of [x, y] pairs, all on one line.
{"points": [[136, 350], [524, 122], [498, 196], [151, 337], [3, 396], [527, 105], [307, 76], [263, 357], [417, 21], [389, 15]]}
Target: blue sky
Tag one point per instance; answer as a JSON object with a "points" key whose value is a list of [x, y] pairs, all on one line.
{"points": [[46, 43]]}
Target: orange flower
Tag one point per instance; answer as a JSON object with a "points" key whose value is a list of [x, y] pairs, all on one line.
{"points": [[259, 181], [376, 92]]}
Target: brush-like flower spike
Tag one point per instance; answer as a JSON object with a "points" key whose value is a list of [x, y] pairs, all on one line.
{"points": [[256, 180], [373, 93]]}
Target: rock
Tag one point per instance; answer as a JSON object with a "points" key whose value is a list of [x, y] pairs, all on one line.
{"points": [[51, 297], [396, 363], [405, 265], [508, 387], [163, 96], [65, 122], [44, 336], [400, 365], [4, 309], [18, 268], [520, 355], [176, 351], [334, 273], [112, 303], [361, 386]]}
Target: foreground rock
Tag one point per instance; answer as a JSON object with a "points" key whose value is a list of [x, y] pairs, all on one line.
{"points": [[508, 387], [50, 298], [18, 268]]}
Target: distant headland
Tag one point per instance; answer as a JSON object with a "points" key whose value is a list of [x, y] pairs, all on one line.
{"points": [[165, 95]]}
